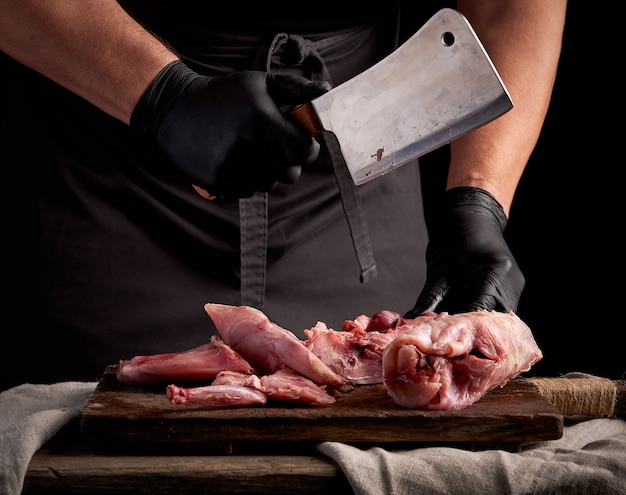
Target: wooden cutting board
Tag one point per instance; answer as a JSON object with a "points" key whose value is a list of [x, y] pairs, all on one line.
{"points": [[119, 413]]}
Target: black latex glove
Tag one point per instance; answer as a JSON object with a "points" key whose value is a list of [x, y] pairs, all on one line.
{"points": [[469, 264], [227, 134]]}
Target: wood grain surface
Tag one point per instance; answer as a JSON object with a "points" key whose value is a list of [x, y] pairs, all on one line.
{"points": [[119, 413]]}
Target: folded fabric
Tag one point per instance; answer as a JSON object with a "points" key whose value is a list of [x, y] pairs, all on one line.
{"points": [[32, 415], [590, 458]]}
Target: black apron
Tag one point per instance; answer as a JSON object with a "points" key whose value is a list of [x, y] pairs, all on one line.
{"points": [[113, 256]]}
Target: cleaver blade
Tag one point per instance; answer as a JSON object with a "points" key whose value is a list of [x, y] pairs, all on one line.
{"points": [[437, 86]]}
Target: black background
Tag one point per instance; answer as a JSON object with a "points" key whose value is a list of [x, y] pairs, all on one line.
{"points": [[566, 222]]}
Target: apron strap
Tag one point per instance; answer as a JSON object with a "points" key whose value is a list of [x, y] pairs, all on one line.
{"points": [[293, 52], [253, 249], [353, 209]]}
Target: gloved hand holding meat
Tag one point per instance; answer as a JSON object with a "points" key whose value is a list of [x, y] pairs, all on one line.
{"points": [[469, 264], [227, 134]]}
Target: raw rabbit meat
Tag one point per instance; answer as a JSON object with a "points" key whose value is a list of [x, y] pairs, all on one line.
{"points": [[201, 363], [228, 389], [288, 385], [216, 395], [381, 321], [268, 346], [356, 352], [236, 378], [434, 362], [447, 362]]}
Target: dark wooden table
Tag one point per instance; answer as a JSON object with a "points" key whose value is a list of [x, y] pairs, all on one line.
{"points": [[112, 449], [131, 440], [69, 465]]}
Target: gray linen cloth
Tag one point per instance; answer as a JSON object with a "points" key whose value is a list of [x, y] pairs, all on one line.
{"points": [[30, 416], [590, 458]]}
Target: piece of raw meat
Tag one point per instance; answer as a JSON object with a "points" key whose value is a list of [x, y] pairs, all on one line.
{"points": [[268, 346], [443, 361], [228, 390], [380, 321], [201, 363], [355, 352], [236, 378], [216, 395], [288, 385]]}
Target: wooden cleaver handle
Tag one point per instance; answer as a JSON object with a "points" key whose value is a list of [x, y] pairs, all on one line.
{"points": [[306, 115]]}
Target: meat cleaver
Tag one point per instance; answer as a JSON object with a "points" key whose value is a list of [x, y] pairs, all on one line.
{"points": [[435, 87]]}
